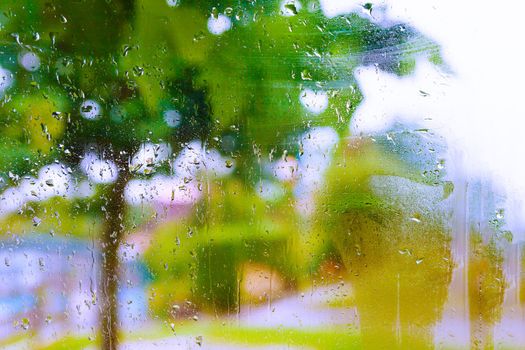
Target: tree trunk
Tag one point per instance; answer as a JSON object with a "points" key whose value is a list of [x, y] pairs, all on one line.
{"points": [[111, 239]]}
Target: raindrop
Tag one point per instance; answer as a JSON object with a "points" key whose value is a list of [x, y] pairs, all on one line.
{"points": [[238, 15], [306, 75], [52, 36], [36, 221], [290, 7], [368, 7], [215, 13], [25, 324], [198, 340], [125, 50]]}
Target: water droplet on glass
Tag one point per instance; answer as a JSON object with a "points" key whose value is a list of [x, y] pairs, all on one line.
{"points": [[198, 340], [36, 221], [238, 15], [306, 75], [25, 324], [215, 13], [290, 7]]}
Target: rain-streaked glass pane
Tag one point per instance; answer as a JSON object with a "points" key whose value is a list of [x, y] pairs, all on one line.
{"points": [[261, 174]]}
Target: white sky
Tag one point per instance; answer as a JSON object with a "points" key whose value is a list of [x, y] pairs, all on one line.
{"points": [[477, 107]]}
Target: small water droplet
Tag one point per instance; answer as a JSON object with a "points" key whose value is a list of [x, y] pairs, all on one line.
{"points": [[198, 340], [36, 221], [215, 13], [25, 324], [291, 7], [306, 75], [239, 15], [368, 6]]}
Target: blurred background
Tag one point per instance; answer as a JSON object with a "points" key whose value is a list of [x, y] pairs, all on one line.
{"points": [[262, 174]]}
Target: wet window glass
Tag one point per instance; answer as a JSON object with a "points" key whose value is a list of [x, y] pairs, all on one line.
{"points": [[261, 174]]}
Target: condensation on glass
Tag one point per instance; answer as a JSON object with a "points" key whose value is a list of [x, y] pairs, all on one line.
{"points": [[263, 174]]}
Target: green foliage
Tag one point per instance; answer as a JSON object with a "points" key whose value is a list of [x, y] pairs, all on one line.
{"points": [[390, 232], [232, 227]]}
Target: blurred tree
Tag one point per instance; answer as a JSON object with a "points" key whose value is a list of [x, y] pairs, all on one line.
{"points": [[78, 102], [390, 228], [486, 289]]}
